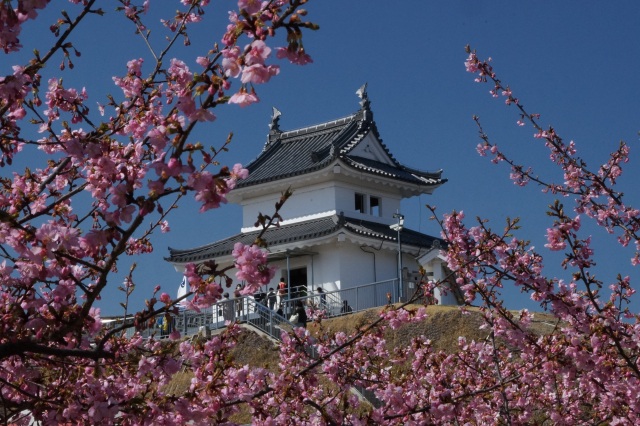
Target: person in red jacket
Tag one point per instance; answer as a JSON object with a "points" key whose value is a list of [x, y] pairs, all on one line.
{"points": [[282, 291]]}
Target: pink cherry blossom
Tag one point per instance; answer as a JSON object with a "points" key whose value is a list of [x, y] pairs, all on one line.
{"points": [[244, 98], [295, 56], [257, 53], [251, 262], [231, 63], [258, 73], [209, 190], [250, 6], [238, 172]]}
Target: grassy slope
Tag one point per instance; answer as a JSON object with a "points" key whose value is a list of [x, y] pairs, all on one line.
{"points": [[443, 326]]}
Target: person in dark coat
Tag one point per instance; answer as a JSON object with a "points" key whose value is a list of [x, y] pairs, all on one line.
{"points": [[271, 299], [302, 314]]}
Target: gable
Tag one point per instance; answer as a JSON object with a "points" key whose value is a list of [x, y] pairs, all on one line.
{"points": [[371, 148]]}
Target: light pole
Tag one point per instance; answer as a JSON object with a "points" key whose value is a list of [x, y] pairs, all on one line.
{"points": [[398, 227]]}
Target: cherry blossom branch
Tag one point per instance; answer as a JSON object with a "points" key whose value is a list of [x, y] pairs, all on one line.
{"points": [[23, 347], [579, 179]]}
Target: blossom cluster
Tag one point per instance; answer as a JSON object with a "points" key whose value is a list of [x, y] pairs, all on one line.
{"points": [[591, 342], [251, 262], [110, 177]]}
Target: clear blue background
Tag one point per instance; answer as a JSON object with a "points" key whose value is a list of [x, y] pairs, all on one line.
{"points": [[574, 62]]}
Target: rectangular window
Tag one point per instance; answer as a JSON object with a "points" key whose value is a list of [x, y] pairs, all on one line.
{"points": [[374, 206], [360, 203]]}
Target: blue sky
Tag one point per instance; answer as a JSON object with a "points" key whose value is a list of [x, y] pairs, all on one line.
{"points": [[574, 62]]}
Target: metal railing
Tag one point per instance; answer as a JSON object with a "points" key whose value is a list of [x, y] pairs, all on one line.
{"points": [[247, 310], [341, 302], [241, 309]]}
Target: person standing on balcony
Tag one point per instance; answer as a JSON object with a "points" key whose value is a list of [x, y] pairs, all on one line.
{"points": [[239, 300], [346, 308], [282, 291], [271, 299], [227, 308], [302, 314], [322, 302]]}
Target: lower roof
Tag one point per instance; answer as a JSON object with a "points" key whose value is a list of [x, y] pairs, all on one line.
{"points": [[302, 231]]}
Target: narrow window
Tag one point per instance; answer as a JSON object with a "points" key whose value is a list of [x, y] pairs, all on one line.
{"points": [[360, 203], [374, 206]]}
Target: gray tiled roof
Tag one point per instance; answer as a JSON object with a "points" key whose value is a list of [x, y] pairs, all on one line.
{"points": [[297, 152], [402, 173], [274, 236], [383, 232], [302, 231]]}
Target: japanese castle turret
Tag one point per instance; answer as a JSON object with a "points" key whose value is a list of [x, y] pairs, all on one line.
{"points": [[341, 228]]}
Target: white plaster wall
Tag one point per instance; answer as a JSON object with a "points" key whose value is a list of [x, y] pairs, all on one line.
{"points": [[444, 299], [336, 266], [387, 265], [320, 198], [342, 265], [345, 201], [356, 266], [326, 267], [442, 296], [321, 269], [303, 202]]}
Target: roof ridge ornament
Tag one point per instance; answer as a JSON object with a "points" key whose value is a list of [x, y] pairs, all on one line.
{"points": [[275, 118], [274, 125], [365, 103], [362, 94]]}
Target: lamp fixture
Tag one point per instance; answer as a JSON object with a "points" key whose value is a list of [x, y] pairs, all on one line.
{"points": [[398, 227], [400, 223]]}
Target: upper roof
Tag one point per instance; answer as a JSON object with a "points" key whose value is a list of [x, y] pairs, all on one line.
{"points": [[301, 151], [307, 230]]}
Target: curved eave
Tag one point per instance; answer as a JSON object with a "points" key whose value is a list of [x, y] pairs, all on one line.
{"points": [[305, 235], [306, 246], [397, 174], [275, 237], [424, 183]]}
